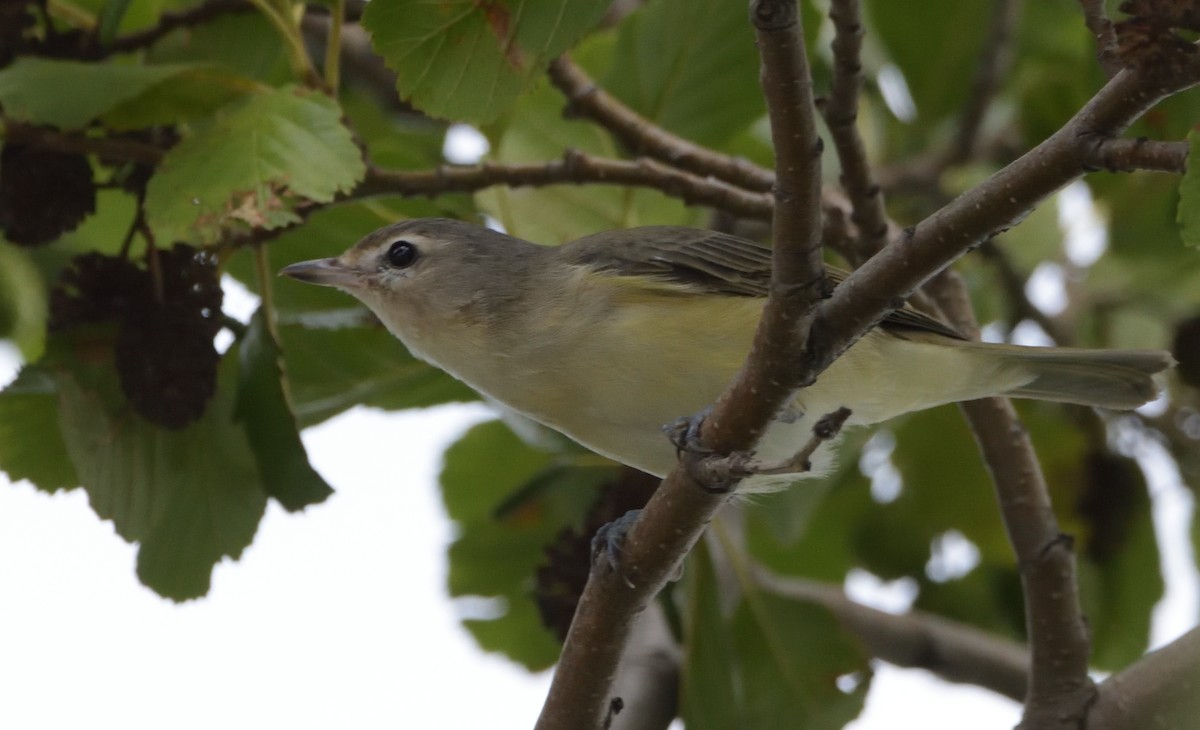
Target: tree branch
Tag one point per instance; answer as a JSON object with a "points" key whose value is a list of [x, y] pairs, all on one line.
{"points": [[841, 113], [680, 509], [1101, 27], [955, 652], [575, 168], [116, 148], [645, 137], [1129, 155], [1159, 690]]}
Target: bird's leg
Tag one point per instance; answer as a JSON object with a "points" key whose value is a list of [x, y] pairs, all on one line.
{"points": [[684, 433], [825, 429], [715, 474], [607, 541]]}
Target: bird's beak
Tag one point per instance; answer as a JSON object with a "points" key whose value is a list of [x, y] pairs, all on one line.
{"points": [[326, 272]]}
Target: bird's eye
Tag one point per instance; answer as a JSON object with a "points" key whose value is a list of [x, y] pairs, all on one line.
{"points": [[401, 254]]}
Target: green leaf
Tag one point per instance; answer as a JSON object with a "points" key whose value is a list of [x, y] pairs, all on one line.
{"points": [[259, 157], [1119, 570], [22, 301], [709, 697], [190, 497], [499, 544], [110, 19], [690, 66], [333, 368], [31, 444], [1189, 197], [69, 94], [243, 42], [191, 94], [822, 543], [790, 656], [936, 48], [263, 409], [462, 59]]}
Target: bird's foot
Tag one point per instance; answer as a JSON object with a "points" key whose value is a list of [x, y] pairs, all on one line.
{"points": [[607, 542]]}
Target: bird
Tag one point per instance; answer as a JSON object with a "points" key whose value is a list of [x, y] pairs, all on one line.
{"points": [[611, 336]]}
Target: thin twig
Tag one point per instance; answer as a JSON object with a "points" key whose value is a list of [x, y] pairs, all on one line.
{"points": [[953, 651], [333, 47], [645, 137], [994, 62], [1129, 155], [841, 113], [575, 168], [1101, 27]]}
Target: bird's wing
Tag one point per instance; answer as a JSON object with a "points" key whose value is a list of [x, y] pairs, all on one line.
{"points": [[701, 261]]}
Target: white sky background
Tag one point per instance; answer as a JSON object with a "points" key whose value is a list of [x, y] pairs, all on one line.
{"points": [[338, 617]]}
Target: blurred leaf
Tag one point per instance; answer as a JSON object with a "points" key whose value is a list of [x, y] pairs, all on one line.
{"points": [[461, 59], [31, 444], [257, 159], [709, 696], [1037, 240], [936, 47], [69, 94], [689, 66], [264, 411], [244, 42], [22, 301], [1119, 570], [790, 656], [790, 514], [499, 546], [945, 486], [191, 94], [333, 368], [988, 597], [1189, 197], [111, 15], [1055, 70], [826, 549], [537, 131], [399, 141], [190, 497]]}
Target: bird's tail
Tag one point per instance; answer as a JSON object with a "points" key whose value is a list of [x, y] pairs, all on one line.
{"points": [[1118, 379]]}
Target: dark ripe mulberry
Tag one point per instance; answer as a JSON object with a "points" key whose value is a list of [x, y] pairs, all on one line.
{"points": [[96, 288], [165, 357], [43, 194], [167, 366]]}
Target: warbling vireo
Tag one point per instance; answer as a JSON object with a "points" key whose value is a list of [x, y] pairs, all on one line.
{"points": [[609, 337]]}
